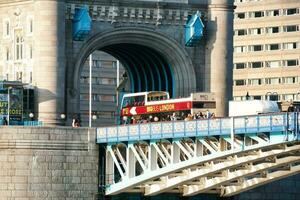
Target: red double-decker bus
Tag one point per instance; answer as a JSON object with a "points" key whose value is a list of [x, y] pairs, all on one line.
{"points": [[145, 105]]}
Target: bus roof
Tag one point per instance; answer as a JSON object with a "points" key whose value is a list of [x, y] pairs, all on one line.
{"points": [[152, 93]]}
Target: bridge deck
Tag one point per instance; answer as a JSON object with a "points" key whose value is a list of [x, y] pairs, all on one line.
{"points": [[203, 127], [222, 155]]}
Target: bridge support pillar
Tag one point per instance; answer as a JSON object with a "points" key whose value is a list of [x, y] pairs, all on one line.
{"points": [[219, 52], [49, 71]]}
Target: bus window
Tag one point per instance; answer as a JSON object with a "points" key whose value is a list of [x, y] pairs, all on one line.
{"points": [[204, 104]]}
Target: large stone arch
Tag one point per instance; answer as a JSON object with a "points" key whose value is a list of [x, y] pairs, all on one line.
{"points": [[176, 56]]}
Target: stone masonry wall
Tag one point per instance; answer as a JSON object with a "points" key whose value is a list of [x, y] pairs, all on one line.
{"points": [[47, 163]]}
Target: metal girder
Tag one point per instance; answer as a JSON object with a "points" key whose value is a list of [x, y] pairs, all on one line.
{"points": [[192, 175], [181, 165], [255, 182], [193, 189]]}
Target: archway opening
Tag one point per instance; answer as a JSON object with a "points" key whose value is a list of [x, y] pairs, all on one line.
{"points": [[153, 62]]}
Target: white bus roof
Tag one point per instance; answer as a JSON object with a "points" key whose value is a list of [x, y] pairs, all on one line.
{"points": [[144, 93]]}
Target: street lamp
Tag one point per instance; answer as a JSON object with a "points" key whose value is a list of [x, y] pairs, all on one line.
{"points": [[62, 116], [94, 117], [31, 115]]}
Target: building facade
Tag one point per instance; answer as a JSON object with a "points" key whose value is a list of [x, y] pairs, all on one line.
{"points": [[266, 50], [37, 47], [104, 94]]}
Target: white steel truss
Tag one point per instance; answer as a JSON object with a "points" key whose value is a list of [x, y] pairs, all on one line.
{"points": [[191, 166]]}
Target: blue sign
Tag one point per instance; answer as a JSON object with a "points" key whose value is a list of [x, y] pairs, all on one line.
{"points": [[193, 30], [81, 23]]}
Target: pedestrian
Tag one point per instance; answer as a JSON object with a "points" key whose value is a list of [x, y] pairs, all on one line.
{"points": [[74, 122], [4, 121]]}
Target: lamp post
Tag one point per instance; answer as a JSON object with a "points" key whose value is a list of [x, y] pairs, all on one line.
{"points": [[8, 105], [90, 91]]}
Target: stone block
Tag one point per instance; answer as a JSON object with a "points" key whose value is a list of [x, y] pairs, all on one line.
{"points": [[20, 172], [19, 179], [55, 166], [72, 159], [5, 179], [71, 179], [3, 186], [58, 187], [58, 173], [3, 158], [40, 187], [21, 186], [57, 180], [59, 159], [7, 193]]}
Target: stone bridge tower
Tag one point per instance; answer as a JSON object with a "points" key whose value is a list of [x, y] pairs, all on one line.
{"points": [[147, 36]]}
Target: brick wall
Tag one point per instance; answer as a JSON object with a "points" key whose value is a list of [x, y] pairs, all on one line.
{"points": [[48, 163]]}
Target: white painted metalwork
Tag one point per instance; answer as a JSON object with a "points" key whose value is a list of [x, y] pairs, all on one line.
{"points": [[256, 151]]}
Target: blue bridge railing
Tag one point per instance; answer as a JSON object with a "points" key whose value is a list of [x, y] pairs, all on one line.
{"points": [[276, 122]]}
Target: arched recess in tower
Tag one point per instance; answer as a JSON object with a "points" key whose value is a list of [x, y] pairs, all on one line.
{"points": [[152, 60], [146, 69]]}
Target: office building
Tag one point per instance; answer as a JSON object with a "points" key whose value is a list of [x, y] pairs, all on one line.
{"points": [[266, 50]]}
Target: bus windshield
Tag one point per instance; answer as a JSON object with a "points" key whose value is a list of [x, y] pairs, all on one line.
{"points": [[133, 101]]}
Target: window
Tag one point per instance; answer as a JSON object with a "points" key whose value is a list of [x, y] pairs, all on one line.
{"points": [[30, 77], [7, 54], [290, 45], [274, 29], [273, 64], [272, 13], [273, 97], [108, 81], [96, 63], [256, 47], [272, 47], [240, 49], [290, 80], [111, 98], [30, 52], [84, 97], [255, 31], [240, 15], [30, 25], [240, 82], [84, 79], [241, 32], [258, 14], [237, 98], [19, 43], [270, 81], [240, 65], [290, 63], [257, 81], [256, 64], [19, 76], [288, 97], [6, 28], [114, 64], [291, 11], [256, 97], [291, 28]]}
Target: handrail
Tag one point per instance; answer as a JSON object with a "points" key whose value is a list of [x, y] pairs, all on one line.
{"points": [[274, 122]]}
